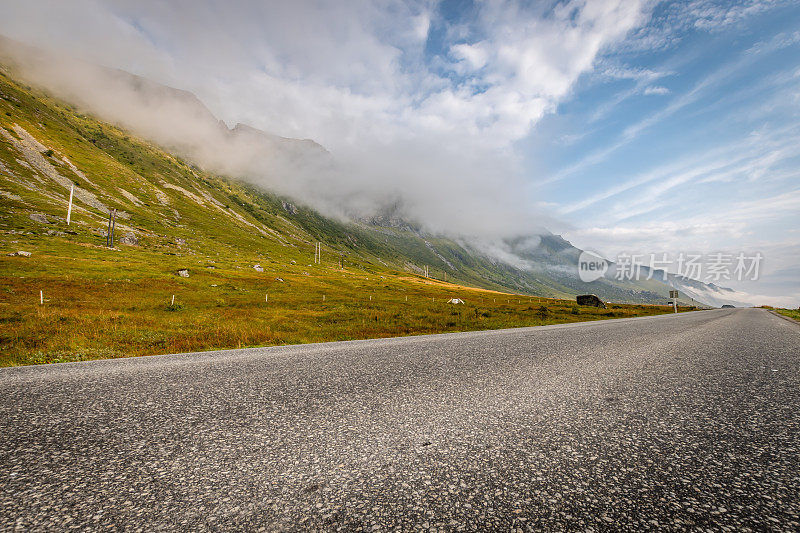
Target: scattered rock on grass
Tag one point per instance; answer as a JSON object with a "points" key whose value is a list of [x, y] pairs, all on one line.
{"points": [[41, 218], [289, 207], [130, 239], [24, 254], [258, 268], [184, 272], [279, 279]]}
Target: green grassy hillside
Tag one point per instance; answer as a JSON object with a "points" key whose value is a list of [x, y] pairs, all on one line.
{"points": [[249, 255]]}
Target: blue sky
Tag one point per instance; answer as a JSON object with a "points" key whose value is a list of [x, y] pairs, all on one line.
{"points": [[688, 144], [625, 125]]}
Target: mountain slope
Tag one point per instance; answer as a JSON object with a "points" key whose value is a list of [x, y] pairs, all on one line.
{"points": [[248, 254], [170, 200]]}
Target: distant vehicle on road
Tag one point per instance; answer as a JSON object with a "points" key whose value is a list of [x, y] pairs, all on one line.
{"points": [[728, 306]]}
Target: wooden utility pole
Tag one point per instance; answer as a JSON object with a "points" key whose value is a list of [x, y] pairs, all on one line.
{"points": [[113, 227], [69, 209], [112, 222], [108, 233]]}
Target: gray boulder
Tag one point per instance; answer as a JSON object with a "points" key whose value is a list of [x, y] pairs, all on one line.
{"points": [[130, 239]]}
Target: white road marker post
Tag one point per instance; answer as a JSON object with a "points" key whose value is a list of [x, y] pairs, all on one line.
{"points": [[173, 301], [266, 298], [69, 209], [41, 298]]}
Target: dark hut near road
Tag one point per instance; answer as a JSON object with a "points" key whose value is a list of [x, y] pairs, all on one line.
{"points": [[590, 299]]}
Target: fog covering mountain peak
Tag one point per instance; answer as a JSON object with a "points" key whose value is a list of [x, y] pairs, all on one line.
{"points": [[306, 172], [456, 192]]}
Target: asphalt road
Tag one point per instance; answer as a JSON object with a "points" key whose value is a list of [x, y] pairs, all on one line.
{"points": [[669, 422]]}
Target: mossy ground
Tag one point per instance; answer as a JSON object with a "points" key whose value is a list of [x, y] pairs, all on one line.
{"points": [[119, 303]]}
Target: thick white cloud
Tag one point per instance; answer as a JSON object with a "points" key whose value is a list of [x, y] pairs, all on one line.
{"points": [[433, 132]]}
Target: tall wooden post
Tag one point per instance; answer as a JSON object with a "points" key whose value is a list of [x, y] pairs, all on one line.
{"points": [[108, 233], [113, 226], [69, 209]]}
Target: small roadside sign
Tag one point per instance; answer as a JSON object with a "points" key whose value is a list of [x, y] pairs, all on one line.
{"points": [[673, 295]]}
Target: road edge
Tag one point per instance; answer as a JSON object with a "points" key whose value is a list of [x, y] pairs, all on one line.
{"points": [[186, 356], [788, 319]]}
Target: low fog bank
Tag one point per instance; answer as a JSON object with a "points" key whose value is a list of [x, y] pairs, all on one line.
{"points": [[464, 191]]}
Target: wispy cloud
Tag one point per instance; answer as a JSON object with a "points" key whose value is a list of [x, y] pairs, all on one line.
{"points": [[656, 89], [673, 21], [700, 89], [752, 158]]}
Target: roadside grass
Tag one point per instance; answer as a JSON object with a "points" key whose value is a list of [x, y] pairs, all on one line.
{"points": [[791, 313], [97, 308]]}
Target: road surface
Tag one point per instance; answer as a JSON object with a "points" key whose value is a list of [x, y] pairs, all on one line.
{"points": [[675, 421]]}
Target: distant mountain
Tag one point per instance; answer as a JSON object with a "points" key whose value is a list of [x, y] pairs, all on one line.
{"points": [[160, 198], [708, 293], [175, 119], [298, 147]]}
